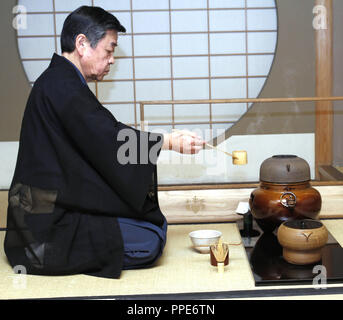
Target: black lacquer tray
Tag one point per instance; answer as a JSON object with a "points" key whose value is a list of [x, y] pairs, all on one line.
{"points": [[270, 269]]}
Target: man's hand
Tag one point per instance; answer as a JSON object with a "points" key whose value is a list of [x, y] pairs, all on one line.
{"points": [[183, 141]]}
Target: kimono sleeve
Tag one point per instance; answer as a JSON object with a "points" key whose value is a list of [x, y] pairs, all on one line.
{"points": [[124, 157]]}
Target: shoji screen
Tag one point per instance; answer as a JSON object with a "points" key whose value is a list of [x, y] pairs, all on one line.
{"points": [[173, 49]]}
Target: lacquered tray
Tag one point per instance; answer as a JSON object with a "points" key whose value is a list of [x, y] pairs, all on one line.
{"points": [[270, 269]]}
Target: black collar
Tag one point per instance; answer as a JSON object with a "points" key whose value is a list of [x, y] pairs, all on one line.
{"points": [[60, 60]]}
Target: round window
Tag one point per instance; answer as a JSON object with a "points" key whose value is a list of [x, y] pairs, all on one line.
{"points": [[172, 50]]}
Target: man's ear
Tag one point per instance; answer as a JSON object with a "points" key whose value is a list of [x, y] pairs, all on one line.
{"points": [[81, 43]]}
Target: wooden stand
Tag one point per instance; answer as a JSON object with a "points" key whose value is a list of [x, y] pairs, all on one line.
{"points": [[324, 79]]}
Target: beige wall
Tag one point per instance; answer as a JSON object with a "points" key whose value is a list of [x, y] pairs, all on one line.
{"points": [[14, 87], [293, 74], [338, 82]]}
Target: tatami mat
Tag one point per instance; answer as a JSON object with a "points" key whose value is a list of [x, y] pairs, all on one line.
{"points": [[3, 208], [335, 227], [181, 270]]}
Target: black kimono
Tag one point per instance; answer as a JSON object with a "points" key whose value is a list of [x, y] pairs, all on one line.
{"points": [[71, 183]]}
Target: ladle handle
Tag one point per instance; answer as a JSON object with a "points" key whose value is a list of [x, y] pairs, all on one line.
{"points": [[213, 147]]}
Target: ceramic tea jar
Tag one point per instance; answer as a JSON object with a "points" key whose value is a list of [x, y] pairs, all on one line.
{"points": [[302, 241], [284, 193]]}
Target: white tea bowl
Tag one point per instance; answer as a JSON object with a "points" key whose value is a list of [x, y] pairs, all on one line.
{"points": [[202, 239]]}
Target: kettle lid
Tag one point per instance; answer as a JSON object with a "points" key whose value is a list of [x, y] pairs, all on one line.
{"points": [[285, 169]]}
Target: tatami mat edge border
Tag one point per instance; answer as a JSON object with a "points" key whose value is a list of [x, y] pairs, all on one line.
{"points": [[243, 294]]}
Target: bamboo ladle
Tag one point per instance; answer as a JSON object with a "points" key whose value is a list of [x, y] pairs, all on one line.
{"points": [[238, 157]]}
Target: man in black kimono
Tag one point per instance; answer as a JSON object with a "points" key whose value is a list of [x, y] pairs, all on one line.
{"points": [[83, 197]]}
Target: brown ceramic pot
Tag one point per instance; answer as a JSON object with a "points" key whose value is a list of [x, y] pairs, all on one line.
{"points": [[284, 193], [302, 241]]}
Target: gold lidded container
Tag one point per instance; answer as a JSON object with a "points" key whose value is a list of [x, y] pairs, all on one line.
{"points": [[302, 241]]}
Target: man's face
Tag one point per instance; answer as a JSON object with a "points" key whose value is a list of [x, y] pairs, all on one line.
{"points": [[96, 62]]}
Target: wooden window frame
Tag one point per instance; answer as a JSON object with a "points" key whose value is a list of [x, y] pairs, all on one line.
{"points": [[326, 174]]}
